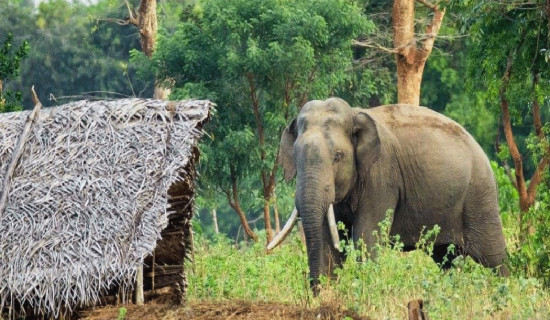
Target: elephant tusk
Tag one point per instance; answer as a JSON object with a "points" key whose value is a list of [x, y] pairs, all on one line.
{"points": [[333, 228], [285, 231]]}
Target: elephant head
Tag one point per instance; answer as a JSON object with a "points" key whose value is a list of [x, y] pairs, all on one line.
{"points": [[325, 147]]}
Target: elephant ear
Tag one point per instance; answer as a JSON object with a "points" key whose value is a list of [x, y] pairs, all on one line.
{"points": [[286, 151], [367, 141]]}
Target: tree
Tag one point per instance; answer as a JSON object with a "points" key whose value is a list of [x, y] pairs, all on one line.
{"points": [[510, 55], [145, 19], [89, 62], [10, 62], [411, 58], [259, 61], [413, 39]]}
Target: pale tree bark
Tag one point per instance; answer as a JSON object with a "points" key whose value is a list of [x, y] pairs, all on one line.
{"points": [[145, 19], [2, 100], [410, 57], [276, 213], [215, 221]]}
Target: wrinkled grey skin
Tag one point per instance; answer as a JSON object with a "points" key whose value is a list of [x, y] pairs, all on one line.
{"points": [[417, 162]]}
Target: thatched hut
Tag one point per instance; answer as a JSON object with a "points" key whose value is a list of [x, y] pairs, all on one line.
{"points": [[90, 191]]}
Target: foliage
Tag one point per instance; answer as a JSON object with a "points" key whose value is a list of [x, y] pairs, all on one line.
{"points": [[499, 30], [443, 87], [263, 60], [89, 61], [373, 77], [509, 56], [122, 313], [532, 257], [10, 63], [376, 289]]}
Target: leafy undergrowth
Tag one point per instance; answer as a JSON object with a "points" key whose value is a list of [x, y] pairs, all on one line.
{"points": [[244, 282], [381, 290]]}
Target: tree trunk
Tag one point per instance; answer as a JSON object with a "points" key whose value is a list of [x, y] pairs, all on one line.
{"points": [[276, 214], [527, 192], [139, 298], [411, 59], [215, 221], [268, 179], [146, 22], [147, 26], [267, 219], [2, 100], [233, 200]]}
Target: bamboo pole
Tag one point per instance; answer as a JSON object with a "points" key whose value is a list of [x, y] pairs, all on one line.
{"points": [[19, 150]]}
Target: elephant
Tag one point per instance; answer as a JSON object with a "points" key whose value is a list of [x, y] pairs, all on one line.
{"points": [[353, 164]]}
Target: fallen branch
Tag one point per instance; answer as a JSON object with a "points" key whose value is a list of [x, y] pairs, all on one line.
{"points": [[19, 150]]}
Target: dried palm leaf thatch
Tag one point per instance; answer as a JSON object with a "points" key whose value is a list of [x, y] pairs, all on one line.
{"points": [[88, 198]]}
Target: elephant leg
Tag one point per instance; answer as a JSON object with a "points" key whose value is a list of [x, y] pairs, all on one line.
{"points": [[483, 237], [367, 220], [443, 257]]}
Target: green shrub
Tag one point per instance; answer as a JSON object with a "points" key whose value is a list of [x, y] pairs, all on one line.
{"points": [[378, 289], [530, 258]]}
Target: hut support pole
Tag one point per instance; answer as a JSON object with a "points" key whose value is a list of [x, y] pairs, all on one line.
{"points": [[139, 286], [153, 273]]}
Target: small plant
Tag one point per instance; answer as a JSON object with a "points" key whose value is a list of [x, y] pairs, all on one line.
{"points": [[121, 313]]}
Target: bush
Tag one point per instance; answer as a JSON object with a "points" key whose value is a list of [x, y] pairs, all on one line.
{"points": [[530, 258], [378, 289]]}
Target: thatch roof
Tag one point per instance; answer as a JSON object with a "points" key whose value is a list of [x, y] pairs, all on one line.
{"points": [[88, 198]]}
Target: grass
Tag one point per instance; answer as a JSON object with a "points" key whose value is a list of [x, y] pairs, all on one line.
{"points": [[380, 289]]}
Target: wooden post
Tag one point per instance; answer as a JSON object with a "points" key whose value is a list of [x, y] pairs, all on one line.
{"points": [[153, 274], [139, 286], [416, 310]]}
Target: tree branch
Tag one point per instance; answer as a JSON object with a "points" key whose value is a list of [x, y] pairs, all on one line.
{"points": [[133, 17], [16, 154], [364, 44], [508, 133], [233, 200], [536, 108], [431, 31], [537, 177], [257, 117], [537, 123], [427, 4], [503, 162]]}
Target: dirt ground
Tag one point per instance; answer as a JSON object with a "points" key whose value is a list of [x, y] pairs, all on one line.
{"points": [[220, 310]]}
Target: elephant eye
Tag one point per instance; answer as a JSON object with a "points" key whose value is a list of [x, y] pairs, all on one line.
{"points": [[338, 156]]}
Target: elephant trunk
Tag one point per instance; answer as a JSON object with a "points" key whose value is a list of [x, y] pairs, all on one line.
{"points": [[314, 197], [312, 212]]}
